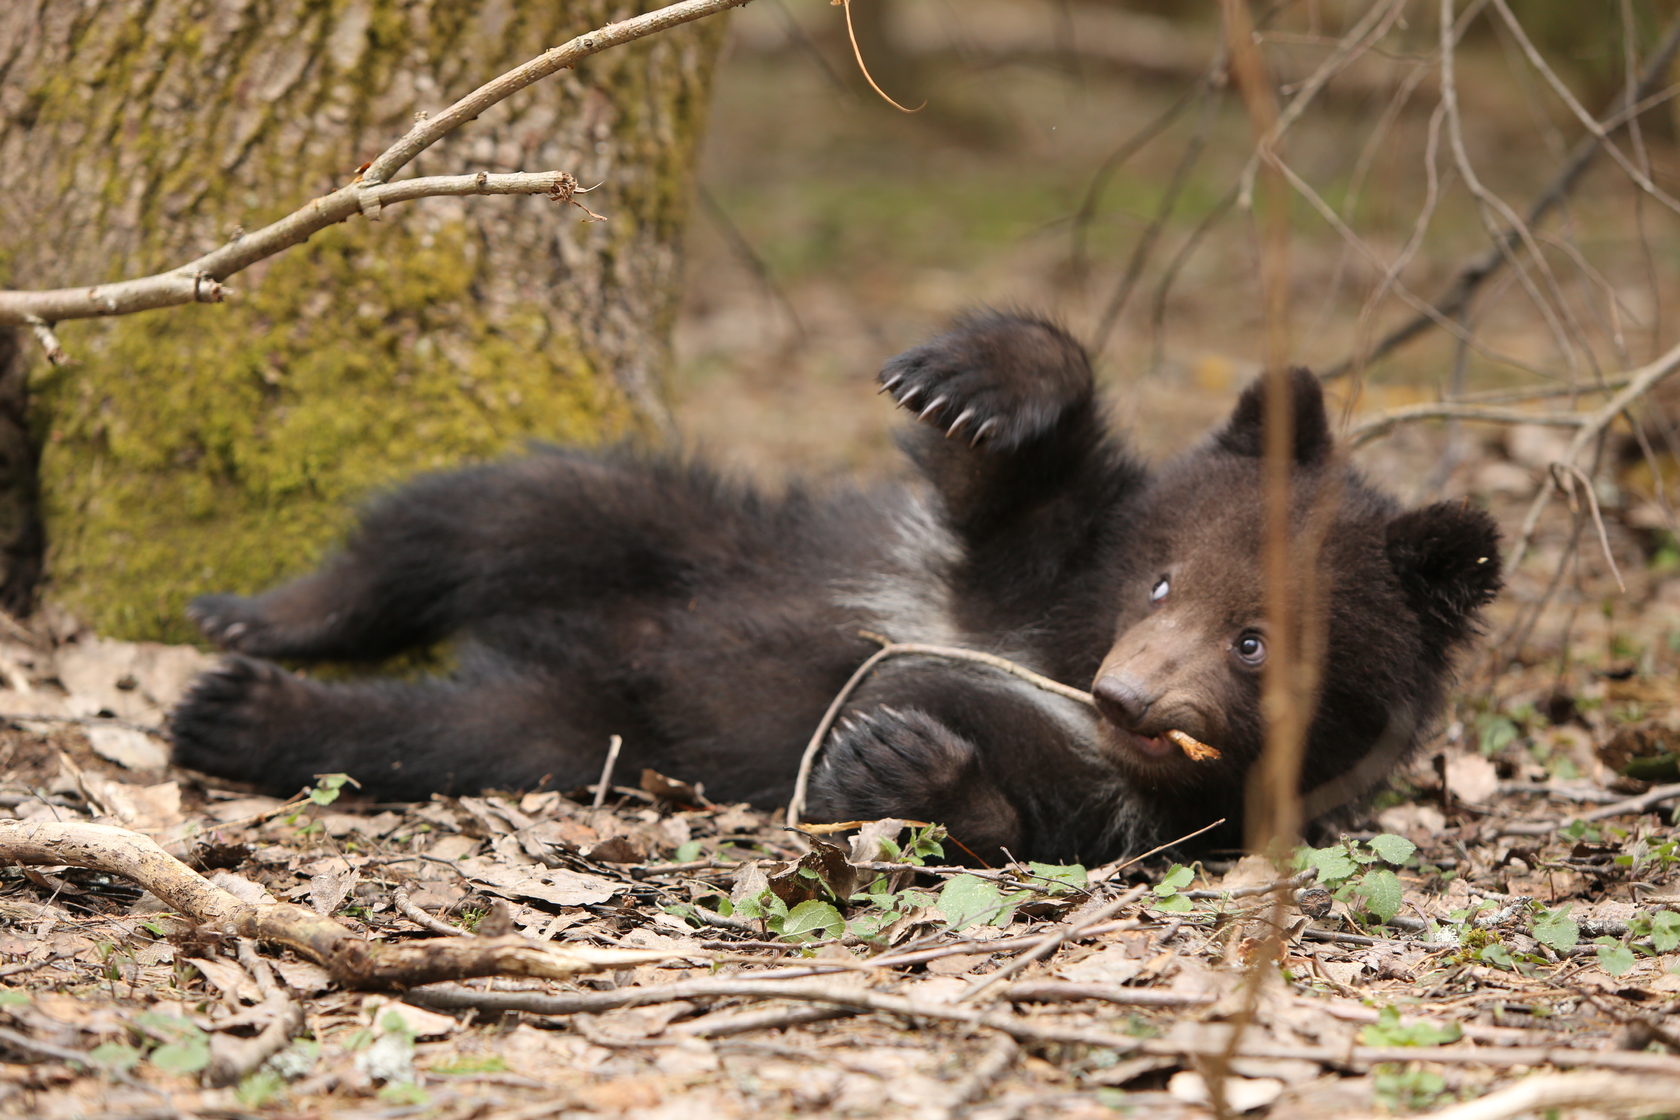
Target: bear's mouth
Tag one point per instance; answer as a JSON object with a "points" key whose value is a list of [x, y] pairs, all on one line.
{"points": [[1153, 751]]}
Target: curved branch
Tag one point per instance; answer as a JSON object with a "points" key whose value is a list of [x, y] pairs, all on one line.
{"points": [[889, 648]]}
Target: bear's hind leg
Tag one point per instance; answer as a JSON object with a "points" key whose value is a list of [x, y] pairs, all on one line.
{"points": [[252, 721]]}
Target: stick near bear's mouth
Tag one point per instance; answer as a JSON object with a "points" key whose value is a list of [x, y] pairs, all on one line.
{"points": [[1194, 749]]}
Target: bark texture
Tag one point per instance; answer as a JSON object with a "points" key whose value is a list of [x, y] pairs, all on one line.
{"points": [[221, 446]]}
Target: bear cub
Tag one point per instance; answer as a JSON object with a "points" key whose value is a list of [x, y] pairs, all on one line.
{"points": [[710, 624]]}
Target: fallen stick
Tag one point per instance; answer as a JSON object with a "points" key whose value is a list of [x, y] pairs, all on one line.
{"points": [[351, 961]]}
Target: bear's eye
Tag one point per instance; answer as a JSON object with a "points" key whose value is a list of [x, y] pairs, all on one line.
{"points": [[1159, 591], [1250, 648]]}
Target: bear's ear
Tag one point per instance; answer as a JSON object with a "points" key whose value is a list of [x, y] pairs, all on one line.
{"points": [[1244, 433], [1447, 559]]}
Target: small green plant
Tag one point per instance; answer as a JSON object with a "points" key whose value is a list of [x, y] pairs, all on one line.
{"points": [[1407, 1088], [688, 852], [1494, 732], [259, 1088], [489, 1063], [1388, 1030], [1614, 957], [1169, 897], [1350, 871], [1556, 930], [327, 788]]}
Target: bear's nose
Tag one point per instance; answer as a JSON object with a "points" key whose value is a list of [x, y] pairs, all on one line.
{"points": [[1123, 700]]}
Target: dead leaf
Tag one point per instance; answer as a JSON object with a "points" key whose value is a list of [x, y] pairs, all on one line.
{"points": [[1472, 778], [1242, 1094], [670, 789], [558, 886], [128, 748], [329, 889]]}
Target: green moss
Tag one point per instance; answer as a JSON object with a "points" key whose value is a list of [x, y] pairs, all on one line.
{"points": [[323, 383]]}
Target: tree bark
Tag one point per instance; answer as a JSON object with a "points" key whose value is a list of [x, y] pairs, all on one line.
{"points": [[220, 446]]}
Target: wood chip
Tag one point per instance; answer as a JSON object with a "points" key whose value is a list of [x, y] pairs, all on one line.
{"points": [[1194, 749]]}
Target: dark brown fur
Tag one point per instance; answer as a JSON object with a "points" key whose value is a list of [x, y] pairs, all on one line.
{"points": [[608, 593]]}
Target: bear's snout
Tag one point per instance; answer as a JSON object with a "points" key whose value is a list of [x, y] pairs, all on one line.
{"points": [[1123, 699]]}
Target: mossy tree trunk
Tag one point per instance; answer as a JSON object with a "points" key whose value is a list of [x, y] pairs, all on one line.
{"points": [[222, 446]]}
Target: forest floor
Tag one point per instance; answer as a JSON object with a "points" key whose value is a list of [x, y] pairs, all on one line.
{"points": [[1510, 912]]}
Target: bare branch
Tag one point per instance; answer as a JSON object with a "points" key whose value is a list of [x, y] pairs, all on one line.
{"points": [[1639, 382], [199, 281], [1380, 425], [1476, 272], [433, 128]]}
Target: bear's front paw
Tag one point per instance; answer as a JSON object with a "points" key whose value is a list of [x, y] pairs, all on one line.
{"points": [[232, 722], [892, 763], [994, 380]]}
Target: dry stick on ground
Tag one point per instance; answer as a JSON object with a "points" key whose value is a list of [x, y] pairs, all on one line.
{"points": [[1478, 271], [1210, 1040], [232, 1058], [1646, 801], [348, 959], [1546, 1092], [199, 280]]}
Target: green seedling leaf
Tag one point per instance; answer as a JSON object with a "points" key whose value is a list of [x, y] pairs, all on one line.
{"points": [[1334, 863], [1176, 879], [1556, 930], [1665, 931], [1495, 733], [1392, 849], [1382, 892], [1174, 904], [259, 1088], [1388, 1030], [968, 900], [1496, 955], [1405, 1089], [189, 1055], [327, 788], [688, 853], [812, 919], [12, 997], [1614, 957], [1059, 878], [115, 1056]]}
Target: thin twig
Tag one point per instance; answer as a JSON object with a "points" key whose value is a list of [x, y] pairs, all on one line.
{"points": [[601, 787], [1639, 382], [1201, 1044], [1646, 801], [49, 341], [85, 721], [1477, 271], [1380, 425], [407, 908], [863, 68]]}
